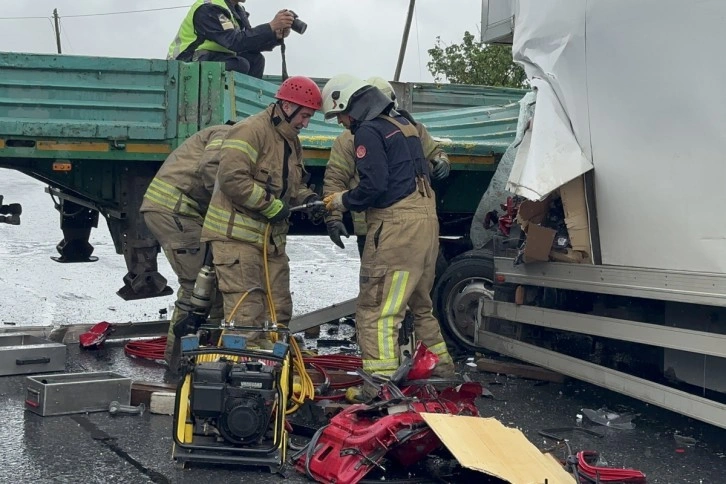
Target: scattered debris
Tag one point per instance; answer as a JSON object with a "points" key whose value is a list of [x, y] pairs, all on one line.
{"points": [[141, 391], [684, 440], [607, 418], [329, 343], [587, 467], [519, 369], [358, 438], [556, 433], [389, 425]]}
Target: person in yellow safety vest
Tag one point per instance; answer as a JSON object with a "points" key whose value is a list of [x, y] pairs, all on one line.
{"points": [[340, 172], [174, 207], [260, 176], [220, 30], [399, 258]]}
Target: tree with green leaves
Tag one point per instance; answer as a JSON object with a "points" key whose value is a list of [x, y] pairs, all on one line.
{"points": [[473, 62]]}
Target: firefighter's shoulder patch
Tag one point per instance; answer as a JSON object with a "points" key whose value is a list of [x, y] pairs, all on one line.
{"points": [[360, 151]]}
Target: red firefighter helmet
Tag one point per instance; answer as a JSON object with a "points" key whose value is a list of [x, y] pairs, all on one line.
{"points": [[302, 91]]}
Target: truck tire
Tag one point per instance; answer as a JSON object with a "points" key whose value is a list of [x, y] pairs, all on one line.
{"points": [[457, 292]]}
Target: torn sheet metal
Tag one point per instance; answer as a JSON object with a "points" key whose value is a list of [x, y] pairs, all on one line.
{"points": [[550, 155], [496, 192], [549, 43], [616, 79]]}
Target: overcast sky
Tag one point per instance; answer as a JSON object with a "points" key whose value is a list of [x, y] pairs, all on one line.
{"points": [[361, 37]]}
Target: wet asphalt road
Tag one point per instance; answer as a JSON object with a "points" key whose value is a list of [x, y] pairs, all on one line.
{"points": [[37, 291], [130, 449]]}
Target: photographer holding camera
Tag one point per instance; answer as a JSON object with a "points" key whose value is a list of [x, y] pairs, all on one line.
{"points": [[219, 30]]}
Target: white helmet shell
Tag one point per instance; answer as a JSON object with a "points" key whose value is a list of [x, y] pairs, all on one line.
{"points": [[337, 93], [384, 86]]}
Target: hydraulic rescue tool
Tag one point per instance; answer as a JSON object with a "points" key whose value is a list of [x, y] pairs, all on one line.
{"points": [[318, 204], [200, 302]]}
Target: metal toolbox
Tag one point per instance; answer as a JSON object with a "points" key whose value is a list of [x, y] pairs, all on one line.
{"points": [[76, 392], [21, 354]]}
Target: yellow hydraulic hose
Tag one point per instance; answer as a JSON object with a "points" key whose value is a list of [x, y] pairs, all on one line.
{"points": [[307, 389]]}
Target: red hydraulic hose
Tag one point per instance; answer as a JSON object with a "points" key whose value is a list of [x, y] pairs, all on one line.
{"points": [[321, 363], [150, 349]]}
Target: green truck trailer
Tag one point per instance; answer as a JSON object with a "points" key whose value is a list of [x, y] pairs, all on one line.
{"points": [[97, 129]]}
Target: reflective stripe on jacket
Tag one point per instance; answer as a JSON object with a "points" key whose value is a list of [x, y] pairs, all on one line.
{"points": [[184, 183], [187, 35], [252, 175]]}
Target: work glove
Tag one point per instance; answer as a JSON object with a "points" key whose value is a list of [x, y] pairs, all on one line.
{"points": [[441, 169], [317, 211], [279, 210], [336, 228], [334, 202]]}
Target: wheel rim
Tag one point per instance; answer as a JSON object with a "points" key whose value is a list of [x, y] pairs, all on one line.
{"points": [[462, 304]]}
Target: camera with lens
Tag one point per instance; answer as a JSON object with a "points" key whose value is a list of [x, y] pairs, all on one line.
{"points": [[298, 25]]}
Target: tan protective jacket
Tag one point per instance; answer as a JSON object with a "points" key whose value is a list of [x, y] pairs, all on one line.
{"points": [[341, 175], [251, 176], [184, 183]]}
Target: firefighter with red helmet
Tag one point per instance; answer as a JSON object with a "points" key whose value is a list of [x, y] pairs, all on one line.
{"points": [[260, 176]]}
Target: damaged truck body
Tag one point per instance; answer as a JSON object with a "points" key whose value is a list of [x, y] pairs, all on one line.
{"points": [[609, 262]]}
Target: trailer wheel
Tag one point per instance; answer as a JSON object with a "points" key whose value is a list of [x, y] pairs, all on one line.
{"points": [[469, 277]]}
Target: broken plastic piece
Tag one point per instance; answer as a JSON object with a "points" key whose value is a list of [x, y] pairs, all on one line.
{"points": [[423, 363], [607, 418], [587, 465], [95, 336]]}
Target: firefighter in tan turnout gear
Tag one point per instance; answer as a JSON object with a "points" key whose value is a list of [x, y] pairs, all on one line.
{"points": [[174, 207], [260, 177], [399, 258], [340, 172]]}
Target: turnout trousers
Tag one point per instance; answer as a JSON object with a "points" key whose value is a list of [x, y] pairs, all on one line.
{"points": [[397, 270], [240, 268], [179, 239]]}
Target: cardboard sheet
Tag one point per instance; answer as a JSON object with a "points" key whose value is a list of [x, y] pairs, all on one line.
{"points": [[485, 445], [575, 208]]}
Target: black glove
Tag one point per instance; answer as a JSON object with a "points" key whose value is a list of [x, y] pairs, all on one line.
{"points": [[316, 212], [282, 214], [336, 228], [440, 169]]}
